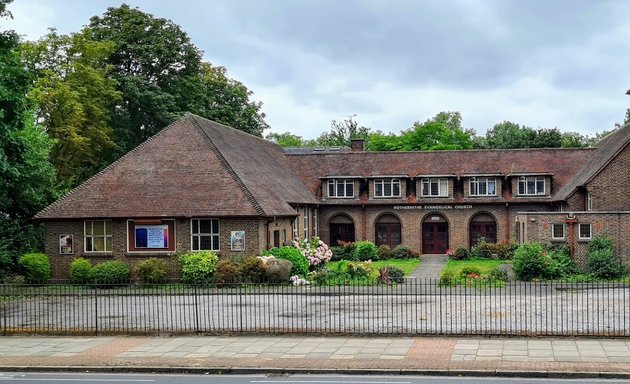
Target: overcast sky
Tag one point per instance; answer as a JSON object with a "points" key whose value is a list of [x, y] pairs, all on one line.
{"points": [[541, 63]]}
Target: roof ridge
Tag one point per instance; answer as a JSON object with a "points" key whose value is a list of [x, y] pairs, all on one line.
{"points": [[227, 166], [115, 162]]}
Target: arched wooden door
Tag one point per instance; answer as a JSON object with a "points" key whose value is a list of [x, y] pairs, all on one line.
{"points": [[341, 229], [434, 234], [482, 226]]}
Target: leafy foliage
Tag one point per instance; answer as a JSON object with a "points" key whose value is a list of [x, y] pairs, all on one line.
{"points": [[151, 271], [529, 262], [461, 253], [297, 259], [384, 252], [80, 270], [35, 267], [365, 250], [198, 267], [253, 270], [110, 273], [228, 274], [390, 275], [601, 259]]}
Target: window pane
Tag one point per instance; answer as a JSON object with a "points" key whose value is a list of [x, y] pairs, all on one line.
{"points": [[331, 188], [482, 187], [88, 227], [350, 190], [396, 189], [88, 244], [378, 189], [443, 187], [387, 189], [521, 187], [215, 226], [99, 244], [492, 187], [558, 231], [340, 189], [108, 228], [99, 228], [195, 226], [531, 187], [425, 187], [205, 226], [205, 242], [585, 231], [540, 186], [108, 244], [473, 187], [435, 191]]}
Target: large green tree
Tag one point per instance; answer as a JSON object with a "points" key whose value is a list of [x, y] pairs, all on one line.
{"points": [[160, 75], [27, 179], [342, 132], [287, 139], [506, 135], [75, 100]]}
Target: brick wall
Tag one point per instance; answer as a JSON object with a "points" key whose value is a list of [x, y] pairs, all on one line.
{"points": [[609, 189], [255, 243], [616, 225]]}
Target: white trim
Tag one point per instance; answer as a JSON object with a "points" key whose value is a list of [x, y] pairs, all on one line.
{"points": [[218, 234], [384, 181], [105, 236], [438, 180], [480, 180], [525, 179], [589, 201], [590, 231], [335, 183], [553, 237]]}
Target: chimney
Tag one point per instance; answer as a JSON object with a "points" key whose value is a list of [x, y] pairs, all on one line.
{"points": [[357, 145]]}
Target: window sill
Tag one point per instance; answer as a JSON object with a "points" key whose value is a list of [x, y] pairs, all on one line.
{"points": [[95, 254], [386, 197], [151, 254], [559, 240]]}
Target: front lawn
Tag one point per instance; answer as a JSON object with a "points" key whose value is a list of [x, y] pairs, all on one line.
{"points": [[477, 271]]}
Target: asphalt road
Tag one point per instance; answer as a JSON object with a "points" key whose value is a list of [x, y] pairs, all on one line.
{"points": [[98, 378]]}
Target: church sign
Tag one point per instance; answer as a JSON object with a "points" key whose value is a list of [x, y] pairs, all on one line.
{"points": [[433, 207]]}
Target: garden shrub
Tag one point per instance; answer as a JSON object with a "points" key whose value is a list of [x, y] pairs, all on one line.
{"points": [[228, 274], [482, 250], [151, 271], [365, 250], [354, 270], [316, 251], [390, 275], [401, 252], [447, 278], [599, 243], [337, 253], [321, 277], [277, 270], [348, 250], [470, 271], [603, 264], [253, 270], [36, 268], [15, 280], [559, 262], [80, 270], [297, 259], [529, 262], [110, 273], [198, 267], [498, 274], [461, 253], [384, 252]]}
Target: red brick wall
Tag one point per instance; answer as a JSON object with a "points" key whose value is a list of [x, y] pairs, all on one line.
{"points": [[609, 189]]}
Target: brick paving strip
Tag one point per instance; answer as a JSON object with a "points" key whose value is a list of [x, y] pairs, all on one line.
{"points": [[429, 355]]}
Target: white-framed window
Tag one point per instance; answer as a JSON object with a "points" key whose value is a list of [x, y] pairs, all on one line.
{"points": [[434, 187], [531, 185], [585, 231], [315, 227], [483, 186], [589, 201], [341, 188], [387, 188], [204, 234], [557, 231], [306, 226], [296, 231], [97, 235]]}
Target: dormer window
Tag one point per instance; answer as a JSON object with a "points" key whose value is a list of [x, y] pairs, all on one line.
{"points": [[387, 188], [341, 188], [483, 186], [434, 187], [531, 185]]}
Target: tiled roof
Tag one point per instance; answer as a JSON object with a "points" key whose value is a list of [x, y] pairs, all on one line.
{"points": [[194, 167], [562, 163], [607, 149]]}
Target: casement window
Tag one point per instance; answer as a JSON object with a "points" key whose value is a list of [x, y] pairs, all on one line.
{"points": [[341, 188], [387, 188], [434, 187], [557, 232], [589, 201], [151, 235], [204, 234], [483, 186], [585, 231], [306, 226], [97, 235], [531, 185]]}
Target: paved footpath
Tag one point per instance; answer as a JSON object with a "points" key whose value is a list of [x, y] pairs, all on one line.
{"points": [[530, 357]]}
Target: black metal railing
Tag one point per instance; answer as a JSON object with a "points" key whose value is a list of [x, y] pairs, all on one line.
{"points": [[412, 308]]}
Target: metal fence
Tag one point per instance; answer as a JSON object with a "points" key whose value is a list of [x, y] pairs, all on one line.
{"points": [[416, 307]]}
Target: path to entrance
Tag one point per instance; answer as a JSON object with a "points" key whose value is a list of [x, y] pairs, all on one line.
{"points": [[430, 267]]}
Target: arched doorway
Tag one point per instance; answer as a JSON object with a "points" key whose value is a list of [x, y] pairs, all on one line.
{"points": [[482, 226], [387, 231], [341, 229], [434, 234]]}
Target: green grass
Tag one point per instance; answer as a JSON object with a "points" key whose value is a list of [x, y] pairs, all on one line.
{"points": [[453, 273], [407, 265]]}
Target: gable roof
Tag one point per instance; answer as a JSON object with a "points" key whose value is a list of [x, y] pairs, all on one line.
{"points": [[194, 167], [607, 149], [562, 163]]}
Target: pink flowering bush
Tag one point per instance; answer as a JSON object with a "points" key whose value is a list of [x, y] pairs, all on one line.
{"points": [[316, 251]]}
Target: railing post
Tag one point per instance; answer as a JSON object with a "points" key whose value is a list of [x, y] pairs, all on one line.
{"points": [[196, 298], [95, 308]]}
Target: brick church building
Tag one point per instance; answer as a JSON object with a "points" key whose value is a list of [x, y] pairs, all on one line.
{"points": [[201, 185]]}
